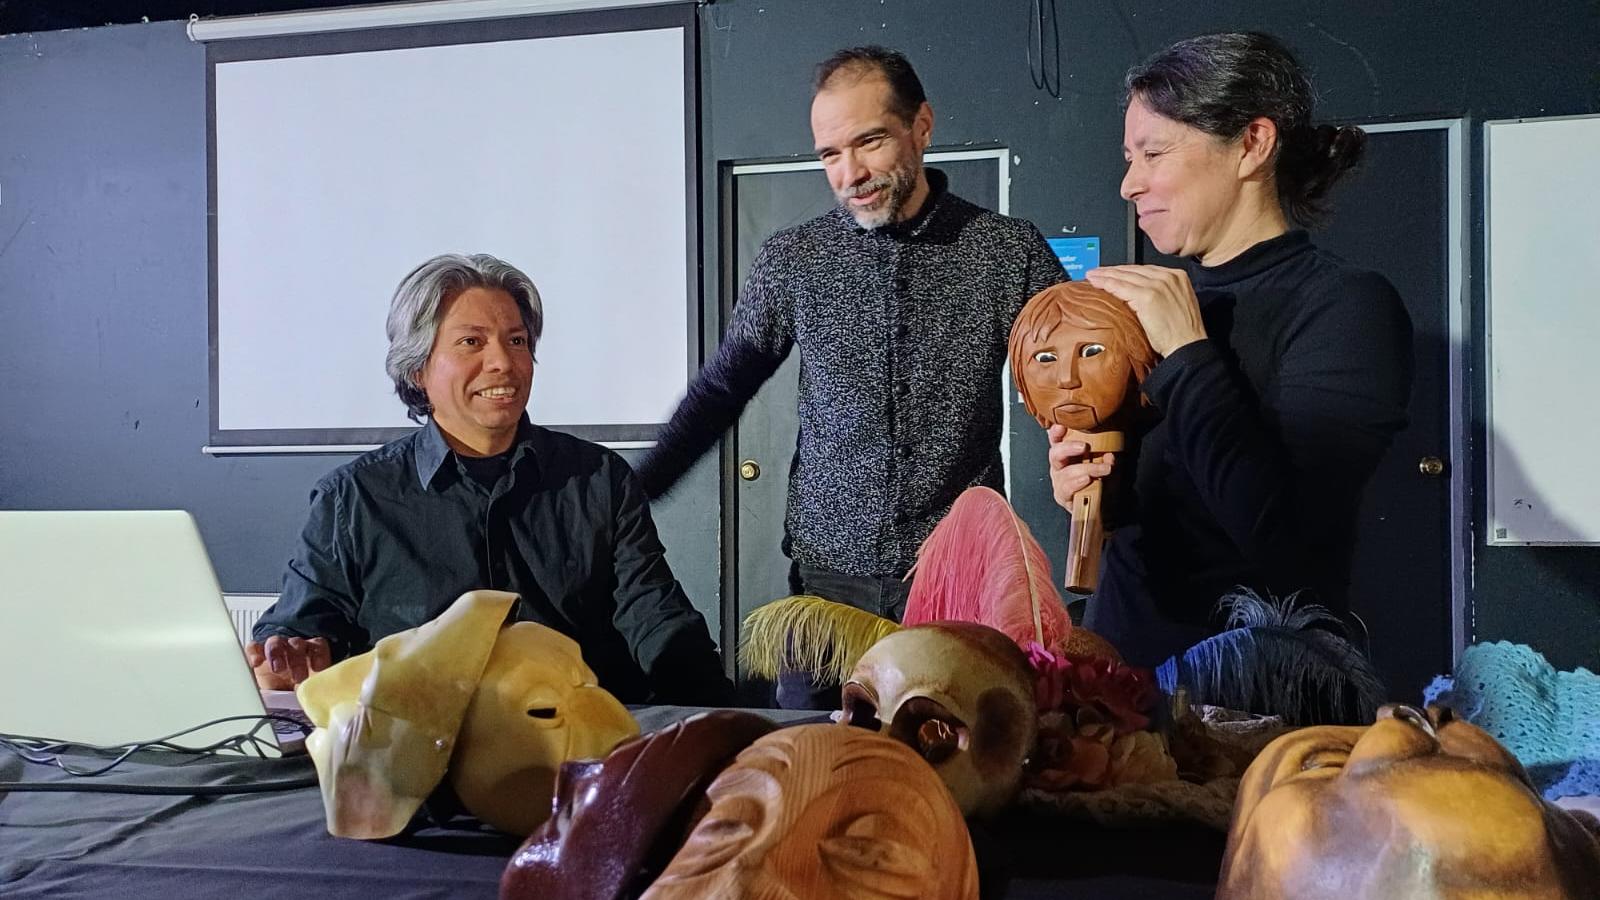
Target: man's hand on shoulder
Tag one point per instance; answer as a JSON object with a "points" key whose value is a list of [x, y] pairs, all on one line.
{"points": [[282, 661]]}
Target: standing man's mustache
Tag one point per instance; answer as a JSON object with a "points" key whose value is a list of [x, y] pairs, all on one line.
{"points": [[876, 184]]}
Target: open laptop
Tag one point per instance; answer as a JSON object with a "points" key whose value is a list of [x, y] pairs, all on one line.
{"points": [[113, 630]]}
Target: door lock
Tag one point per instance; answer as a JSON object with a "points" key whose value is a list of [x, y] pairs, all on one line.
{"points": [[749, 470]]}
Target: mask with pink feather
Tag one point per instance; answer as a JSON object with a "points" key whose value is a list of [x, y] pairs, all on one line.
{"points": [[958, 683], [981, 564], [955, 684]]}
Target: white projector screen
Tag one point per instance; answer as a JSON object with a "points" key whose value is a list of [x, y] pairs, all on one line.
{"points": [[1542, 244], [335, 173]]}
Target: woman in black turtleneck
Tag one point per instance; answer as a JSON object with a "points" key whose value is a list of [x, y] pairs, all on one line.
{"points": [[1285, 370]]}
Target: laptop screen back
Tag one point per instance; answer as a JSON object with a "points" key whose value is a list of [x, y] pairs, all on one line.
{"points": [[113, 630]]}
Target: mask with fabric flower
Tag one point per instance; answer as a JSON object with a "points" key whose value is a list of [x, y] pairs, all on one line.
{"points": [[955, 683]]}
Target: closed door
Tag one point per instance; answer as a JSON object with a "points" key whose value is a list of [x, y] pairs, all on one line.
{"points": [[1393, 217]]}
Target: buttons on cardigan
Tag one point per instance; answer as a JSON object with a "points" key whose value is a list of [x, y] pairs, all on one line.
{"points": [[903, 451], [902, 330], [902, 389]]}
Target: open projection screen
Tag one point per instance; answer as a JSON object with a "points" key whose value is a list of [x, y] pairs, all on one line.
{"points": [[562, 144]]}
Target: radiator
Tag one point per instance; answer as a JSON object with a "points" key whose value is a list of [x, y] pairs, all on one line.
{"points": [[245, 609]]}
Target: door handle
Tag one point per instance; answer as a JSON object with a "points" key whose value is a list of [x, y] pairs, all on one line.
{"points": [[1431, 466], [749, 470]]}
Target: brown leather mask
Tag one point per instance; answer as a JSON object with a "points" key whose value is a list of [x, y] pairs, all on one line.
{"points": [[1417, 805], [618, 821], [825, 811], [1078, 355]]}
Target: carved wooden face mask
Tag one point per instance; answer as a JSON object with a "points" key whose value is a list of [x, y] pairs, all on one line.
{"points": [[824, 811], [1417, 805], [537, 705], [1078, 355], [958, 693]]}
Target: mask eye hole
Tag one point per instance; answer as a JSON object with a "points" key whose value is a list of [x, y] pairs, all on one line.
{"points": [[929, 728], [1045, 356], [860, 711], [542, 712], [937, 741], [1091, 350], [1325, 759]]}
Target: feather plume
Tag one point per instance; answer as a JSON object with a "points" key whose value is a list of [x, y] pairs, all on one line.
{"points": [[1279, 657], [981, 564], [809, 634]]}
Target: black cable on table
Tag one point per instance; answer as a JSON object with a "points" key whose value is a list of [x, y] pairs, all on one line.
{"points": [[47, 752], [198, 790]]}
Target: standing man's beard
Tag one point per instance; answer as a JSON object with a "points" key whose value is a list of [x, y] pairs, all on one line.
{"points": [[896, 186]]}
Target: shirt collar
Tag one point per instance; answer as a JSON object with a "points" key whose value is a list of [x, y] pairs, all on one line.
{"points": [[431, 449], [1250, 263]]}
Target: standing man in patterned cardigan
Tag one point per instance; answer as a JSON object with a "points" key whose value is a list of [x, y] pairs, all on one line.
{"points": [[900, 300]]}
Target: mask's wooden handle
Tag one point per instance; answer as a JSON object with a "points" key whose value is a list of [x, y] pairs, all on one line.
{"points": [[1088, 537]]}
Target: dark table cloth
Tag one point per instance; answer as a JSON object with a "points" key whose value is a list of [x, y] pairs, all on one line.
{"points": [[130, 847]]}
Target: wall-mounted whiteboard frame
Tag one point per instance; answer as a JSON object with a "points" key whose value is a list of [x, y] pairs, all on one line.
{"points": [[684, 329], [1542, 315]]}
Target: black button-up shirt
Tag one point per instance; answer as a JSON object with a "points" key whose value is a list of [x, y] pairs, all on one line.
{"points": [[902, 334], [395, 536]]}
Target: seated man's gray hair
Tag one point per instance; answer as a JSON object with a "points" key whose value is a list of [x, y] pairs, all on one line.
{"points": [[414, 314]]}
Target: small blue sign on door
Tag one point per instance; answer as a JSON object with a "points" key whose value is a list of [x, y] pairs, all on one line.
{"points": [[1077, 254]]}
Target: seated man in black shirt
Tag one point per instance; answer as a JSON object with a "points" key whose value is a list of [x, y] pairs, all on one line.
{"points": [[480, 497]]}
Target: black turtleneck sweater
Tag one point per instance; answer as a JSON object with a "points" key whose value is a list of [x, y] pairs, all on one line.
{"points": [[1268, 431]]}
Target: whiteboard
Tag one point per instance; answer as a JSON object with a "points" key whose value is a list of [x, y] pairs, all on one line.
{"points": [[336, 174], [1542, 245]]}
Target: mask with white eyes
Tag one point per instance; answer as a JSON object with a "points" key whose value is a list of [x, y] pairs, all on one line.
{"points": [[536, 706], [825, 811], [1078, 356], [958, 693]]}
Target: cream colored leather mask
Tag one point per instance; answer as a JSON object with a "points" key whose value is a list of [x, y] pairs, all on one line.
{"points": [[537, 706], [958, 693], [387, 719], [501, 709]]}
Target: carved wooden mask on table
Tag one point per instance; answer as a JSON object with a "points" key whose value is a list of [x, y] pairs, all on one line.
{"points": [[1415, 805]]}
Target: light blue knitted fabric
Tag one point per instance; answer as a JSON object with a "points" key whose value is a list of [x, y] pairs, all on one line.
{"points": [[1549, 720]]}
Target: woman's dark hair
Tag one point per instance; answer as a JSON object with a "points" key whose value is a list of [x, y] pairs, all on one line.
{"points": [[1219, 83]]}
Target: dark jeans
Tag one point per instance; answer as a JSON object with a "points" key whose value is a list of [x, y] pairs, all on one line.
{"points": [[884, 597]]}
